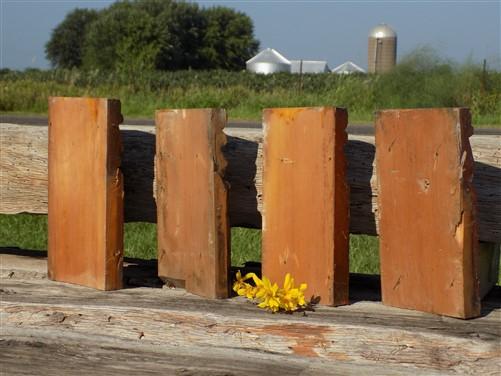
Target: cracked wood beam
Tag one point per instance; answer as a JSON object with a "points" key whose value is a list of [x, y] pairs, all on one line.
{"points": [[23, 186], [67, 329]]}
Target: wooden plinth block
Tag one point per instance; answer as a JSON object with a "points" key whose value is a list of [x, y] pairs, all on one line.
{"points": [[192, 211], [306, 200], [428, 234], [85, 192]]}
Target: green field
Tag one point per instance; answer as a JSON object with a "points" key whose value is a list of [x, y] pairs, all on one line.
{"points": [[28, 231], [418, 81]]}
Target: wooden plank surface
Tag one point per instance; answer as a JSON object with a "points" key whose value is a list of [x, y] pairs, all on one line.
{"points": [[54, 327], [193, 230], [85, 192], [23, 164], [305, 200], [428, 235]]}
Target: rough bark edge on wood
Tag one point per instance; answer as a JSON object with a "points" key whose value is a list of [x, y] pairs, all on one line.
{"points": [[115, 205]]}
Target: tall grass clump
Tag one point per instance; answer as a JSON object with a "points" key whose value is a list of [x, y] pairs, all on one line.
{"points": [[421, 79]]}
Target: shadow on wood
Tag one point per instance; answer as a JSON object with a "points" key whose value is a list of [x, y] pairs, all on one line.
{"points": [[139, 174], [241, 171], [487, 183], [360, 171]]}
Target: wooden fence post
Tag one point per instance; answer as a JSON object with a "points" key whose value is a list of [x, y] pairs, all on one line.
{"points": [[192, 211], [428, 233], [306, 200], [85, 192]]}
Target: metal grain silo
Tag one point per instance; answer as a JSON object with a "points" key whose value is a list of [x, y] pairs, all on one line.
{"points": [[268, 61], [382, 54]]}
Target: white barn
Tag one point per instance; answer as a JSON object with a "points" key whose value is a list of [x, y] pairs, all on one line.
{"points": [[309, 66], [268, 61], [348, 68]]}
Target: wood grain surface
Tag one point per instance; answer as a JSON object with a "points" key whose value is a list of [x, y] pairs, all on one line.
{"points": [[305, 200], [428, 233], [61, 329], [192, 200], [85, 192]]}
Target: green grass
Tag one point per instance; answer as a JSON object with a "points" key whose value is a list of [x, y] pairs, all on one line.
{"points": [[29, 231], [245, 245], [364, 254], [26, 231]]}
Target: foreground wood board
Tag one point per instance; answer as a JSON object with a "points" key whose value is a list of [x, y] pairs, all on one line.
{"points": [[85, 235], [61, 329], [23, 165], [193, 229], [427, 230], [305, 200]]}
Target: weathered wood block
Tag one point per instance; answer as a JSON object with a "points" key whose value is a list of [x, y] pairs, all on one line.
{"points": [[191, 194], [428, 233], [85, 192], [306, 200]]}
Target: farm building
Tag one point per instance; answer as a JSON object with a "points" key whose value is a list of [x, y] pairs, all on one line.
{"points": [[348, 68], [268, 61], [382, 49], [309, 66]]}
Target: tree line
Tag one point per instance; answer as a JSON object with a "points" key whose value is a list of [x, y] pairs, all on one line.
{"points": [[143, 35]]}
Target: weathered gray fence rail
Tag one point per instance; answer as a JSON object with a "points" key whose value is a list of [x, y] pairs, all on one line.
{"points": [[63, 329], [23, 177]]}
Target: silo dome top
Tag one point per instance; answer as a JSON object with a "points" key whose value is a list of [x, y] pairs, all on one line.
{"points": [[382, 31]]}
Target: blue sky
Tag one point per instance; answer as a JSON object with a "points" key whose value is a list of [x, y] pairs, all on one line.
{"points": [[335, 31]]}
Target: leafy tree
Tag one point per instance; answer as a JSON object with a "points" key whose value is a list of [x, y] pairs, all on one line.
{"points": [[182, 28], [166, 35], [124, 37], [192, 37], [229, 41], [64, 48]]}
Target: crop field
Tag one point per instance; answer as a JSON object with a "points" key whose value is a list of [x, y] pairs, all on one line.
{"points": [[29, 231], [414, 83]]}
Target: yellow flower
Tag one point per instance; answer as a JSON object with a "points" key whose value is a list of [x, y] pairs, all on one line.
{"points": [[268, 295], [248, 291], [239, 282], [242, 288], [292, 297]]}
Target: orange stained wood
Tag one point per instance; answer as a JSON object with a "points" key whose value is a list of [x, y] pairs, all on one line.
{"points": [[428, 239], [192, 210], [306, 200], [85, 192]]}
